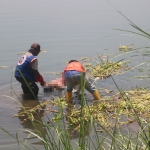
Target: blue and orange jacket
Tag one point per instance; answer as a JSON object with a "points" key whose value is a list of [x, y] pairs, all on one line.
{"points": [[24, 65]]}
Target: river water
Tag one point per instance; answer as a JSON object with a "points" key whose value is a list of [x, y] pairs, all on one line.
{"points": [[66, 29]]}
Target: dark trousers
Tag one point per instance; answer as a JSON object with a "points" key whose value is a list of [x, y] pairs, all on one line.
{"points": [[28, 86]]}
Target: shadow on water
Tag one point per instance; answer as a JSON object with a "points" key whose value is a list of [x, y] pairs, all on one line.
{"points": [[35, 120], [32, 120], [10, 105]]}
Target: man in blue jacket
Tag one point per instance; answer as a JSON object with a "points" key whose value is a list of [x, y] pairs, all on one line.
{"points": [[27, 73]]}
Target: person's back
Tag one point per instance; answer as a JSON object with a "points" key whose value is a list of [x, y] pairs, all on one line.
{"points": [[74, 65], [27, 73], [24, 69], [74, 74]]}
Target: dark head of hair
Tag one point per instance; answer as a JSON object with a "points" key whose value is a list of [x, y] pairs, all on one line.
{"points": [[35, 48], [72, 61]]}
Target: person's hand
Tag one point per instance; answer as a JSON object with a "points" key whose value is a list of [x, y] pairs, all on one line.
{"points": [[41, 80], [43, 83]]}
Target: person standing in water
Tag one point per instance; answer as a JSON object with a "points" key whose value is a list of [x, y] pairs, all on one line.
{"points": [[27, 73], [75, 74]]}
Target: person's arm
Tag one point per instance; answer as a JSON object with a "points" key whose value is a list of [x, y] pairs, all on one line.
{"points": [[36, 72], [39, 78]]}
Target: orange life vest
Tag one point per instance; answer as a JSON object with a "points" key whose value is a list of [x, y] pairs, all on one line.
{"points": [[75, 66]]}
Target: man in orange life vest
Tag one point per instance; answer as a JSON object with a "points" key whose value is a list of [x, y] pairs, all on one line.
{"points": [[27, 73], [74, 74]]}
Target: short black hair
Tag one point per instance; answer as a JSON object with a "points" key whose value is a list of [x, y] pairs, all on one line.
{"points": [[36, 46], [72, 61]]}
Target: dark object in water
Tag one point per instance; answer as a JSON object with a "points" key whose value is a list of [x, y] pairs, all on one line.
{"points": [[48, 89], [51, 88]]}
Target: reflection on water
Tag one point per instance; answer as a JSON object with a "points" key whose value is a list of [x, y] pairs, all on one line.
{"points": [[32, 121]]}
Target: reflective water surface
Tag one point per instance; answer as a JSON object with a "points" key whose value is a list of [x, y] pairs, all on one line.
{"points": [[66, 30]]}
